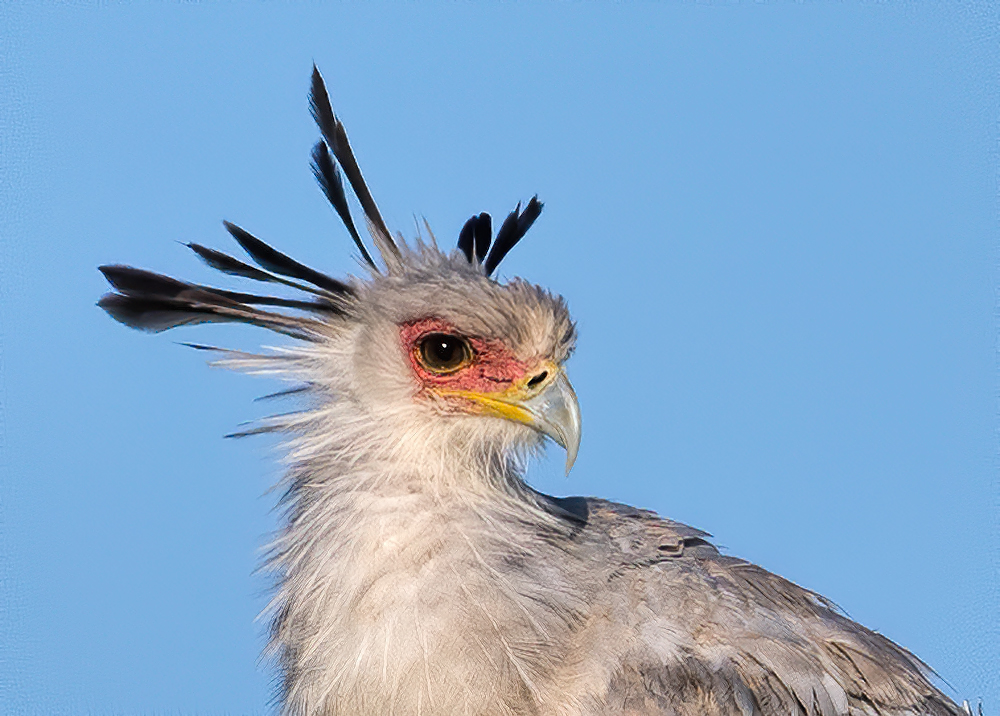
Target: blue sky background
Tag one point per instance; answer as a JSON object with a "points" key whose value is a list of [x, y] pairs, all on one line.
{"points": [[775, 223]]}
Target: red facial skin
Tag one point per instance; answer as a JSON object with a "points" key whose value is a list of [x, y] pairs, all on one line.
{"points": [[493, 368]]}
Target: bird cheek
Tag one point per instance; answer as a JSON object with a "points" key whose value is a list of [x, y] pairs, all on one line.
{"points": [[488, 375], [453, 395], [464, 391]]}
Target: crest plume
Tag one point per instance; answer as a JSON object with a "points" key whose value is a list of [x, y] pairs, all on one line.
{"points": [[154, 302]]}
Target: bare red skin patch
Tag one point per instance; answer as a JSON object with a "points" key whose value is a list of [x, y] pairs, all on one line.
{"points": [[493, 368]]}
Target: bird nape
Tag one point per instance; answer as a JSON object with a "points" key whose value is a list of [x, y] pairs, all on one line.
{"points": [[417, 572]]}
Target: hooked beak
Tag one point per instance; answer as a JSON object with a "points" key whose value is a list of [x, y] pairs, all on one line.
{"points": [[549, 406], [555, 412]]}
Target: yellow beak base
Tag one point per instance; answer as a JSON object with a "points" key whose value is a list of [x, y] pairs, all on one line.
{"points": [[550, 407]]}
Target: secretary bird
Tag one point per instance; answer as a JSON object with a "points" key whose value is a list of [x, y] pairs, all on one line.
{"points": [[418, 573]]}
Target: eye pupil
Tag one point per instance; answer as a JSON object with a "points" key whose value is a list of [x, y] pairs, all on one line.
{"points": [[444, 349], [442, 353]]}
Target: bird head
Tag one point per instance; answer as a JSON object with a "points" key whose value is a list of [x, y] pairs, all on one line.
{"points": [[440, 345], [429, 350]]}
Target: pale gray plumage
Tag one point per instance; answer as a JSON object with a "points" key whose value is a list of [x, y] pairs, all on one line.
{"points": [[417, 572]]}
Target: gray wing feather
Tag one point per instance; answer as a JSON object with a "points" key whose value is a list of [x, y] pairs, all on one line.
{"points": [[726, 637]]}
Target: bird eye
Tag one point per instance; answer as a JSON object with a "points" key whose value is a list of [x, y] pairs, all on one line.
{"points": [[441, 353]]}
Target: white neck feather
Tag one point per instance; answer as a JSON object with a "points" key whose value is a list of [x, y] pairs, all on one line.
{"points": [[391, 587]]}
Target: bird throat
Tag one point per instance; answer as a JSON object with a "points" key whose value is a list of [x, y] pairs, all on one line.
{"points": [[395, 575]]}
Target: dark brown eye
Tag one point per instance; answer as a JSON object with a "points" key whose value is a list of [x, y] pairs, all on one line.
{"points": [[442, 353]]}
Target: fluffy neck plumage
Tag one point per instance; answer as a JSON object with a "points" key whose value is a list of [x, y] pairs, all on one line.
{"points": [[390, 588]]}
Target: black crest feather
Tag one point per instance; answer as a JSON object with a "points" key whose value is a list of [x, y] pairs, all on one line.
{"points": [[475, 237], [273, 260], [154, 302], [513, 229], [336, 138], [484, 235], [467, 238], [153, 313], [139, 282], [234, 267], [328, 176]]}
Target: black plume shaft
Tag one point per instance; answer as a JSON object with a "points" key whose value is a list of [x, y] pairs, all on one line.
{"points": [[328, 177], [273, 260], [336, 137], [131, 281], [234, 267], [153, 302], [154, 313]]}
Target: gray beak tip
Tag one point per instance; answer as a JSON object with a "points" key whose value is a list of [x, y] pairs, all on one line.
{"points": [[572, 444]]}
